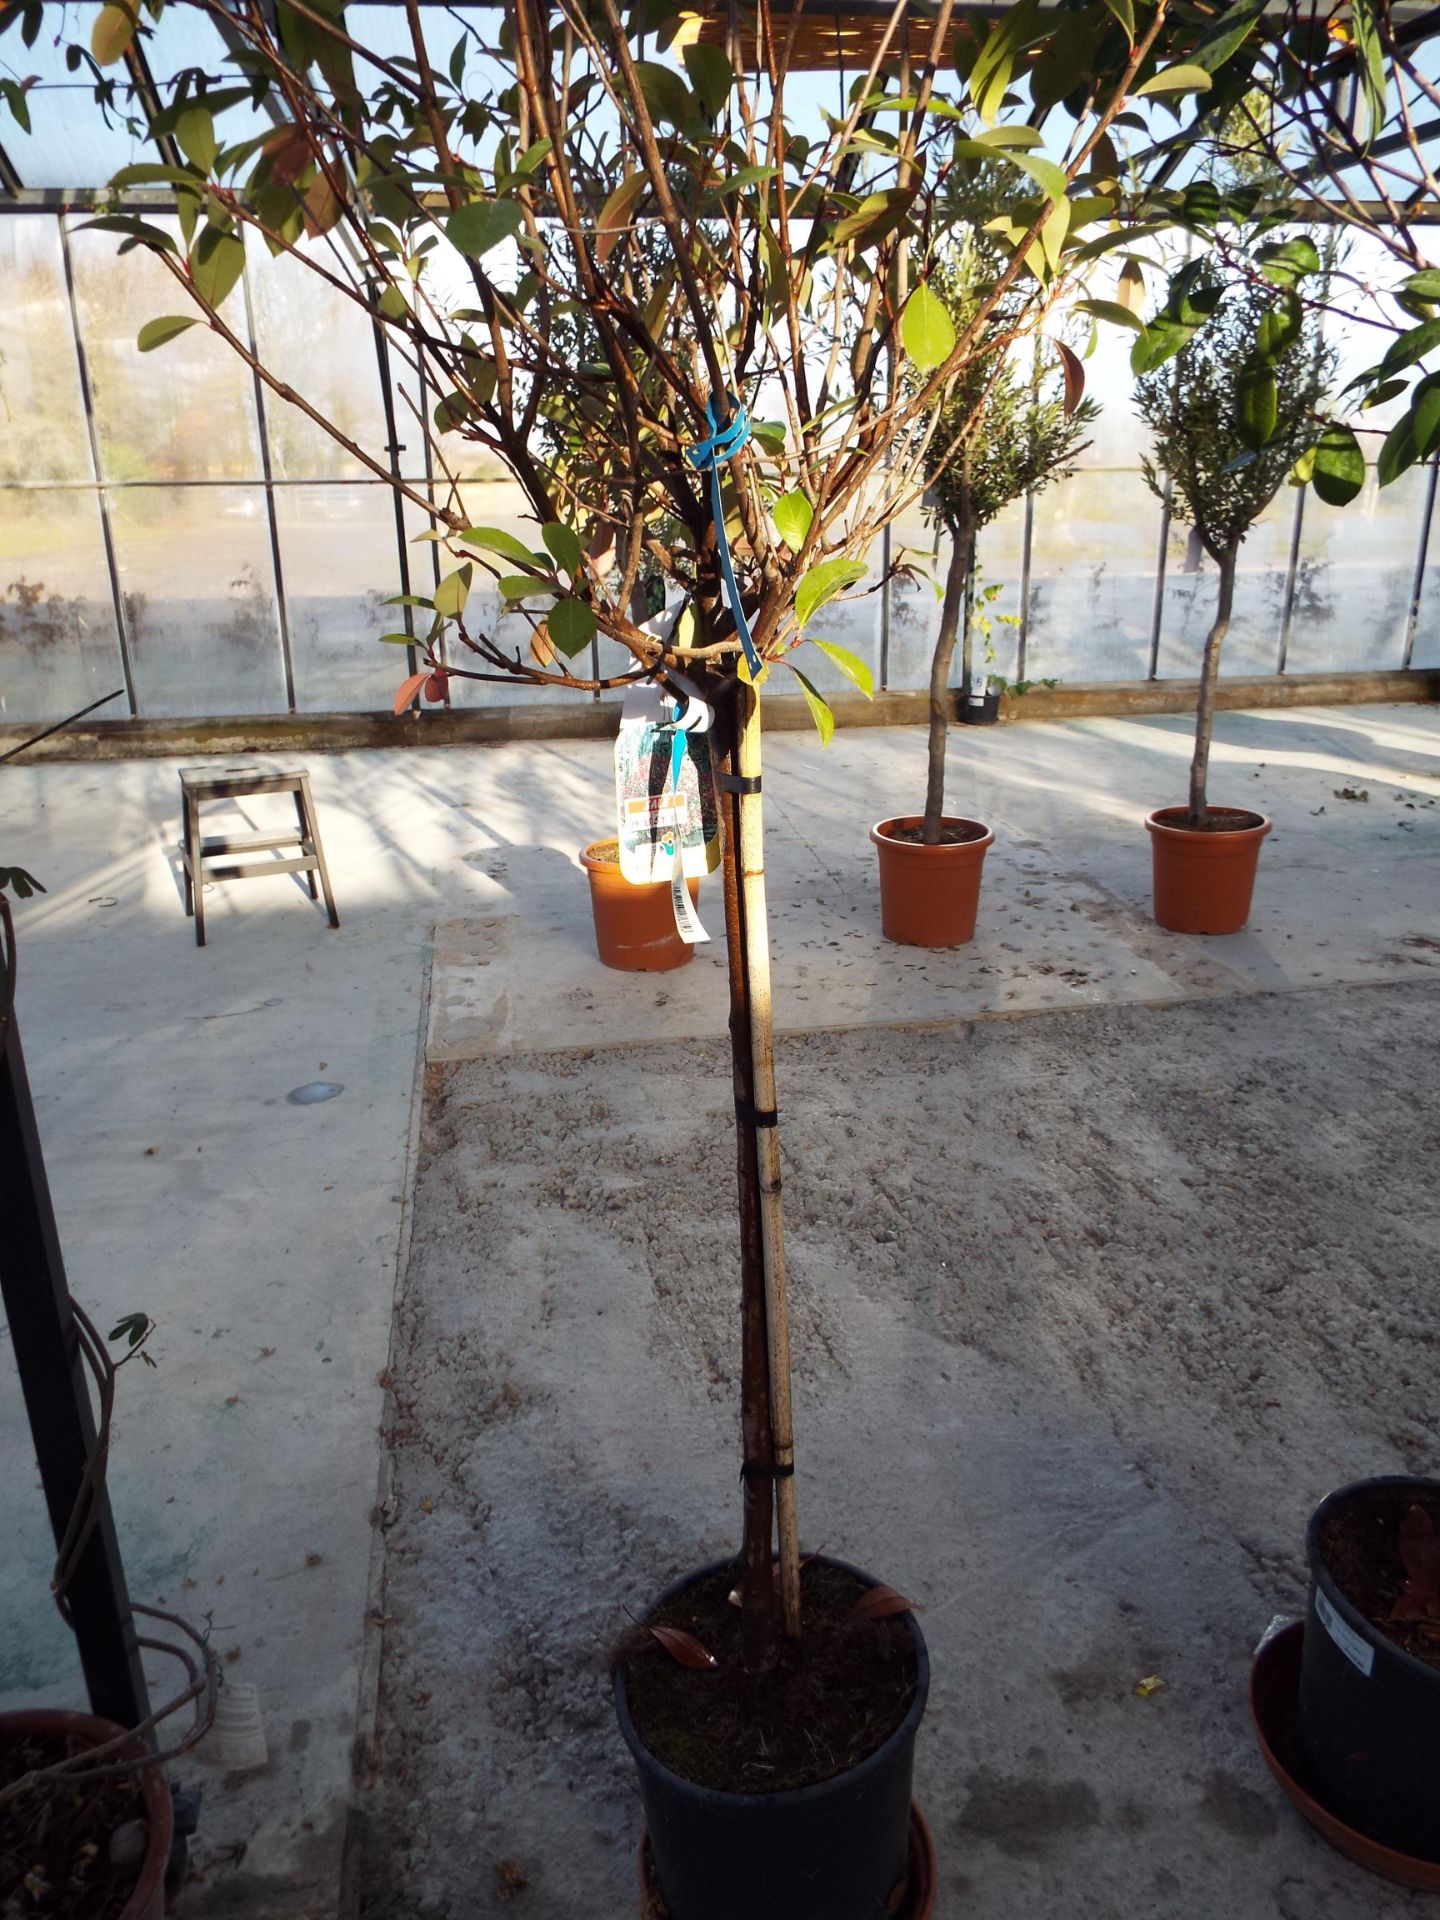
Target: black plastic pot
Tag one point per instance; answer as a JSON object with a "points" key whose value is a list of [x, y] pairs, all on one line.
{"points": [[836, 1851], [1369, 1713], [977, 709]]}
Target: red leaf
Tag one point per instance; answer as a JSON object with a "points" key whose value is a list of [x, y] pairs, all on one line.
{"points": [[684, 1647], [409, 687], [880, 1602], [1074, 376], [437, 686]]}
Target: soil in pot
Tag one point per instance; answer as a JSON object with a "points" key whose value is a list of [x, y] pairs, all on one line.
{"points": [[1386, 1562], [56, 1843], [823, 1710], [953, 833], [634, 925]]}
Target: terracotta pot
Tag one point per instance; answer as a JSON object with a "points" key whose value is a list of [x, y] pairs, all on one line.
{"points": [[1203, 881], [929, 896], [634, 925], [147, 1902]]}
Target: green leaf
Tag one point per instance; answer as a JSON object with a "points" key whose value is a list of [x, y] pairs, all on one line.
{"points": [[926, 330], [1257, 404], [1399, 451], [666, 94], [398, 639], [406, 600], [571, 626], [792, 514], [132, 225], [1280, 327], [453, 591], [113, 31], [1177, 80], [392, 303], [819, 709], [497, 540], [1339, 472], [994, 64], [195, 130], [524, 586], [155, 333], [711, 75], [1425, 285], [217, 261], [850, 664], [1112, 311], [1377, 396], [770, 433], [1411, 346], [564, 544], [483, 224], [1286, 261], [1415, 434], [531, 158], [1365, 23], [822, 583], [1124, 12], [1046, 175], [616, 214], [15, 99], [1232, 28], [1425, 407], [875, 219], [1160, 341]]}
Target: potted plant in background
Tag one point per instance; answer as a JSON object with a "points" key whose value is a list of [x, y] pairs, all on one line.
{"points": [[475, 207], [1001, 431], [1231, 414]]}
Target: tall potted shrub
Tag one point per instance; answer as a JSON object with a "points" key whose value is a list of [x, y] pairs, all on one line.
{"points": [[1231, 414], [786, 262], [1004, 430]]}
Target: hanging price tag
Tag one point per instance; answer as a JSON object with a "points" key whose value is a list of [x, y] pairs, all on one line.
{"points": [[667, 821]]}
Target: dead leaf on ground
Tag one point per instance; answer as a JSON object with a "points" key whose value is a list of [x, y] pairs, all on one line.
{"points": [[685, 1648], [427, 1505], [510, 1879]]}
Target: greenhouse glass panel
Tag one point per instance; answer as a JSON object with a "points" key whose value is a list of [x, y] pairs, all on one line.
{"points": [[337, 554], [1252, 644], [58, 646], [198, 590], [1355, 576], [40, 401], [183, 412], [1427, 625], [186, 42], [1092, 578], [70, 143], [324, 345]]}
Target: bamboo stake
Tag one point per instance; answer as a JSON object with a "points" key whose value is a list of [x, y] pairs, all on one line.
{"points": [[762, 1042]]}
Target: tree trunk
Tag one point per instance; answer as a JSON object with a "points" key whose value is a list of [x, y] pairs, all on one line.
{"points": [[760, 1617], [956, 581], [1209, 678]]}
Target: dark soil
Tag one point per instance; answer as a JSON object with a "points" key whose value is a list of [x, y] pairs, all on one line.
{"points": [[818, 1713], [953, 833], [1217, 820], [55, 1842], [1360, 1542]]}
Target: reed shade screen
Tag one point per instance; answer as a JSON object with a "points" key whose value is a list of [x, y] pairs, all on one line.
{"points": [[831, 39]]}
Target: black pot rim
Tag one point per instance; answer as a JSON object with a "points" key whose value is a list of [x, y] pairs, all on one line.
{"points": [[1321, 1576], [786, 1796]]}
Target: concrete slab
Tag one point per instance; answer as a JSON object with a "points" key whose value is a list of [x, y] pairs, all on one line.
{"points": [[265, 1237]]}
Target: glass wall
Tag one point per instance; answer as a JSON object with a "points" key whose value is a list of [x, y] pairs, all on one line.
{"points": [[172, 531]]}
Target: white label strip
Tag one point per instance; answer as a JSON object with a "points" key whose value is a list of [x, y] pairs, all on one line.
{"points": [[1355, 1648], [687, 921]]}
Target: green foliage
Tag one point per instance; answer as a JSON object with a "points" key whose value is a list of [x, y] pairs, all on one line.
{"points": [[1229, 425]]}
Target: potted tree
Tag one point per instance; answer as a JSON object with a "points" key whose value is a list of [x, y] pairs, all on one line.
{"points": [[1002, 431], [1232, 412], [477, 199]]}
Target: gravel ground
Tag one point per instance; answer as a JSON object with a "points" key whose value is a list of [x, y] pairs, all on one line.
{"points": [[1090, 1310]]}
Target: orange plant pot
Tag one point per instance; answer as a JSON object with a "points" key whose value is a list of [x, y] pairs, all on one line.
{"points": [[929, 896], [634, 925], [147, 1901], [1204, 881]]}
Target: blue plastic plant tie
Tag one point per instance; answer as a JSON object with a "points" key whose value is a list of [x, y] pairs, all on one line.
{"points": [[712, 453]]}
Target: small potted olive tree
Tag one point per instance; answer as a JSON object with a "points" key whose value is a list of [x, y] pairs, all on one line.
{"points": [[1231, 414], [1004, 429]]}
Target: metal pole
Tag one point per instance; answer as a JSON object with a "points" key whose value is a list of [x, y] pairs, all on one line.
{"points": [[57, 1398], [1027, 542], [1157, 613], [1290, 578], [262, 428], [106, 533], [394, 448], [1418, 587]]}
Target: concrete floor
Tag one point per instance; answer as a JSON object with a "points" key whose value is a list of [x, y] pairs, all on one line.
{"points": [[266, 1237]]}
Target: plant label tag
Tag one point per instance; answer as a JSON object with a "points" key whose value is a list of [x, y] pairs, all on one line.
{"points": [[664, 795], [1356, 1649]]}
